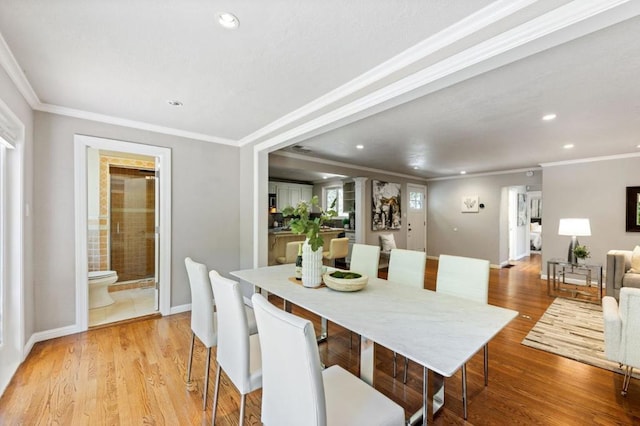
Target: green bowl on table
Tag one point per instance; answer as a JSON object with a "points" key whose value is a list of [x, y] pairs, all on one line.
{"points": [[345, 280]]}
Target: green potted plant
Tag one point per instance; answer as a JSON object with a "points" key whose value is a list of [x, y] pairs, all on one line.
{"points": [[582, 253], [303, 224], [345, 223]]}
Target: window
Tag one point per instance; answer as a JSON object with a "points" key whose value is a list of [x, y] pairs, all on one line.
{"points": [[331, 194], [415, 200]]}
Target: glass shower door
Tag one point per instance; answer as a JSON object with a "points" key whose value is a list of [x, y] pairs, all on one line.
{"points": [[133, 223]]}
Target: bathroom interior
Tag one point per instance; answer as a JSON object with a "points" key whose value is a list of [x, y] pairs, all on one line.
{"points": [[121, 236]]}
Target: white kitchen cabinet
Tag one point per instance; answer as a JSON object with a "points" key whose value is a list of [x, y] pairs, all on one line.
{"points": [[306, 192], [284, 199], [290, 194]]}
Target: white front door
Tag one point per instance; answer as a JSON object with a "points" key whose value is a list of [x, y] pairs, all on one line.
{"points": [[417, 218]]}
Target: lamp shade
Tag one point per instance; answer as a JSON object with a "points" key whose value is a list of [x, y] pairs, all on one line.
{"points": [[577, 227]]}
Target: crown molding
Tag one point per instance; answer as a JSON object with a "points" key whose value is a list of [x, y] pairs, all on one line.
{"points": [[475, 175], [70, 112], [341, 164], [475, 22], [591, 159], [10, 65], [542, 26]]}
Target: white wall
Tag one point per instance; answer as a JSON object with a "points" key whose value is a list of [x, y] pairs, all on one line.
{"points": [[205, 210], [595, 190], [481, 234]]}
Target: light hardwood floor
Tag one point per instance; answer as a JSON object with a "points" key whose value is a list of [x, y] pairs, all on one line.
{"points": [[134, 373]]}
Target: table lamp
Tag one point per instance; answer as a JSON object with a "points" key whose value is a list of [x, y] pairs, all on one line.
{"points": [[574, 227]]}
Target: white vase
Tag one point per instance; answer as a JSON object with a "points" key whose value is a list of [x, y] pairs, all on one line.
{"points": [[311, 265]]}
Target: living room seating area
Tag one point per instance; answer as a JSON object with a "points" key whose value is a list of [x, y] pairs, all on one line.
{"points": [[623, 270]]}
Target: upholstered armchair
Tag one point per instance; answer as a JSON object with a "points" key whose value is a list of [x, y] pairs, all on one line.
{"points": [[387, 243], [621, 331], [620, 273]]}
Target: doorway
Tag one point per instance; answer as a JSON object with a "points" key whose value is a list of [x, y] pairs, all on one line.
{"points": [[142, 196], [121, 235], [518, 223], [14, 209], [417, 218]]}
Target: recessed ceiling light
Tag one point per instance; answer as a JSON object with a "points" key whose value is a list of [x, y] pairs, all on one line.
{"points": [[463, 172], [324, 177], [360, 146], [638, 146], [415, 167], [568, 146], [174, 103], [549, 117], [228, 20]]}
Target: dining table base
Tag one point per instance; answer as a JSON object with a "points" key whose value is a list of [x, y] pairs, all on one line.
{"points": [[432, 398]]}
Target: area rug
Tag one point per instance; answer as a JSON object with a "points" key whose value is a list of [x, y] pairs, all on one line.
{"points": [[572, 329]]}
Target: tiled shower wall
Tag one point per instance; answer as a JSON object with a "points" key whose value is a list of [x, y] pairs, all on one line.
{"points": [[98, 228]]}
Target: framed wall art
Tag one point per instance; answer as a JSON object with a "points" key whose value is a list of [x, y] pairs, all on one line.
{"points": [[385, 206], [469, 204], [522, 209], [633, 209]]}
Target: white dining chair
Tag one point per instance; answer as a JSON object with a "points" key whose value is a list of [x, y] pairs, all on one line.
{"points": [[467, 278], [238, 352], [365, 259], [296, 391], [203, 318], [406, 267]]}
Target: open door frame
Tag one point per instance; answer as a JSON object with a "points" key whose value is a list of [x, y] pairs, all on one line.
{"points": [[163, 156]]}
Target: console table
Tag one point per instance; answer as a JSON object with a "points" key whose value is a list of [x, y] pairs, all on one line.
{"points": [[559, 269]]}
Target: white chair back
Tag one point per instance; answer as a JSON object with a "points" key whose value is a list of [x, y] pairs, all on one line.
{"points": [[233, 353], [292, 391], [202, 304], [407, 267], [464, 277], [364, 259]]}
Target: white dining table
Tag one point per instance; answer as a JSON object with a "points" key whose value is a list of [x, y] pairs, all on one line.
{"points": [[438, 331]]}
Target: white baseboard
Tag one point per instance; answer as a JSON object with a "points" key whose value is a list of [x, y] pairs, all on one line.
{"points": [[41, 336], [574, 281], [438, 257], [179, 309]]}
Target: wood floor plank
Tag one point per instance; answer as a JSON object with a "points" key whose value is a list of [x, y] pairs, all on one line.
{"points": [[135, 373]]}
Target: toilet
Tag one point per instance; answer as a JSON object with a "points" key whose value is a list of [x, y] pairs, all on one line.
{"points": [[99, 282]]}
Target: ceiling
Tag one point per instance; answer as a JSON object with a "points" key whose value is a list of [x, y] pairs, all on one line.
{"points": [[430, 88]]}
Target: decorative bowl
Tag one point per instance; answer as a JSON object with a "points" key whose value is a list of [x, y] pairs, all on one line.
{"points": [[347, 283]]}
